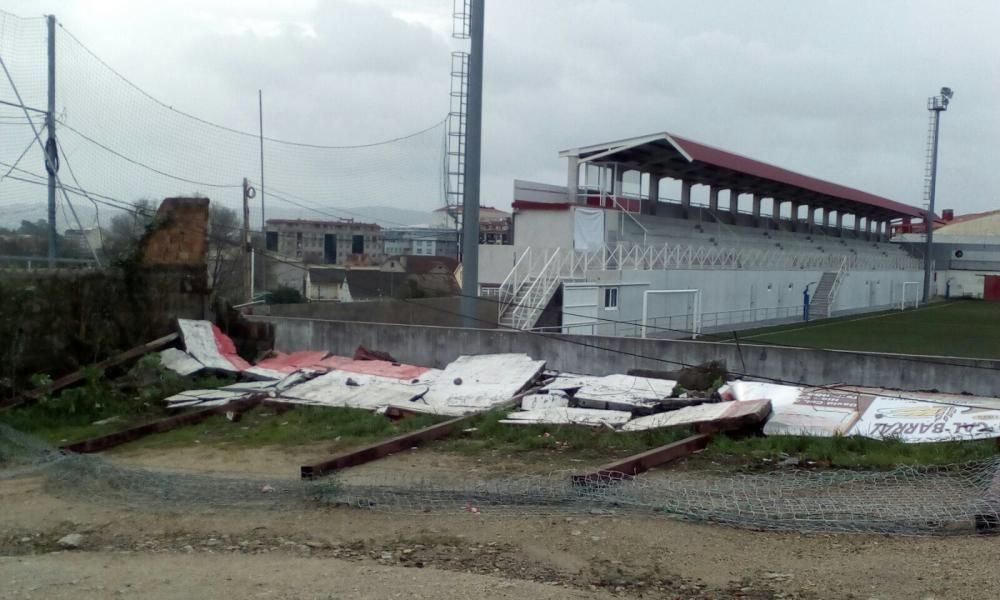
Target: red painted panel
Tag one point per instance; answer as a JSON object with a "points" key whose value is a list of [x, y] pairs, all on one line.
{"points": [[991, 287]]}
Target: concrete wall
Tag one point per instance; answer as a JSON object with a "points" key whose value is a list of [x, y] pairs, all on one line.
{"points": [[418, 311], [543, 228], [496, 261], [437, 346]]}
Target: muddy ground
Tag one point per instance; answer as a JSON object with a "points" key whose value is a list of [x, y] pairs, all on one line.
{"points": [[193, 552]]}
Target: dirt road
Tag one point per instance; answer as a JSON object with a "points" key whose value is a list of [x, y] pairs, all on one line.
{"points": [[350, 553]]}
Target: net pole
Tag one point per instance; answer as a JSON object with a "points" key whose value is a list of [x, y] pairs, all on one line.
{"points": [[470, 200], [50, 126]]}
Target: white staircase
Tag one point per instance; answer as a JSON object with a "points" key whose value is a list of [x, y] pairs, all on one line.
{"points": [[821, 303], [529, 287]]}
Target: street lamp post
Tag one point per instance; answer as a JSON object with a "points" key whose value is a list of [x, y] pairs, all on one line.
{"points": [[936, 105]]}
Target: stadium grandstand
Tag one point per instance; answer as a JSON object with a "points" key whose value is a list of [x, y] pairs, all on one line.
{"points": [[744, 243]]}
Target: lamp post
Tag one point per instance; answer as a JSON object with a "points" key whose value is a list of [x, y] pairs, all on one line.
{"points": [[936, 105]]}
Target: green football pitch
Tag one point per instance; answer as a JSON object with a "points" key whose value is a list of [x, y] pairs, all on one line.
{"points": [[968, 328]]}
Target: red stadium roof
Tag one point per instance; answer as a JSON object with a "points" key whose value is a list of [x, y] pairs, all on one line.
{"points": [[680, 158]]}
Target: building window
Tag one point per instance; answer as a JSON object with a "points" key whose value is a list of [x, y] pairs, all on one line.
{"points": [[357, 244], [610, 298], [271, 241]]}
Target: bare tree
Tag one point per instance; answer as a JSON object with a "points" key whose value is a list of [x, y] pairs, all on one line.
{"points": [[225, 254]]}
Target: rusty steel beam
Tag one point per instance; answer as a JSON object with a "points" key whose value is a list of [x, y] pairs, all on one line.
{"points": [[111, 440], [748, 422], [384, 448], [638, 463], [77, 376]]}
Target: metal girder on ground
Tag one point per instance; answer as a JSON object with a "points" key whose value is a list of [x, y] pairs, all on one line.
{"points": [[233, 410], [77, 376], [638, 463], [384, 448]]}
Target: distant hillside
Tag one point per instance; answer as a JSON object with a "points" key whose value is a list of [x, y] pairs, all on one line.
{"points": [[386, 216]]}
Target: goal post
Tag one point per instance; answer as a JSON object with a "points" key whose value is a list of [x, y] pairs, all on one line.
{"points": [[696, 310], [916, 294]]}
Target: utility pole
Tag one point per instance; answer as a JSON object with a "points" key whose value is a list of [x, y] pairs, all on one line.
{"points": [[473, 148], [936, 105], [263, 221], [50, 144], [260, 115], [248, 193]]}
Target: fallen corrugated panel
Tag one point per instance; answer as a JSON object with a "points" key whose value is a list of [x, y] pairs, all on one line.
{"points": [[707, 418], [212, 348], [478, 383], [921, 421], [805, 419], [280, 365], [190, 398], [353, 390], [623, 392], [383, 448], [818, 411], [779, 395], [978, 401], [373, 367], [569, 416], [569, 382], [638, 463], [538, 401], [798, 410], [180, 362]]}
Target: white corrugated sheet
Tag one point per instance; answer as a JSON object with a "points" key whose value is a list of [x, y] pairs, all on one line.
{"points": [[180, 362], [353, 390], [569, 416], [692, 415], [474, 384], [623, 392], [199, 340], [538, 401]]}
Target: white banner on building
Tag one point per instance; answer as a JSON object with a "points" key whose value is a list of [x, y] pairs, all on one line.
{"points": [[588, 229]]}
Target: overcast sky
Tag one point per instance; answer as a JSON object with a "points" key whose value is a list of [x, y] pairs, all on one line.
{"points": [[837, 90]]}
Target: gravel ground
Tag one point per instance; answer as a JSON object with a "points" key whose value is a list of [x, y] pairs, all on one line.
{"points": [[351, 553]]}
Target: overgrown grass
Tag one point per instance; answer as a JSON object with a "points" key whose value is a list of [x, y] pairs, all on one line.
{"points": [[969, 328], [492, 436], [302, 425], [73, 414], [843, 452]]}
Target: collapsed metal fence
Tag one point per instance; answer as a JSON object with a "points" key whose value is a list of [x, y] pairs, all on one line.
{"points": [[944, 500]]}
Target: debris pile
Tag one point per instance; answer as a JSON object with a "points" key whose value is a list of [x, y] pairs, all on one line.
{"points": [[699, 398]]}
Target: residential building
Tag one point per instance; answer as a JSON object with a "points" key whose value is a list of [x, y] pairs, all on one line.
{"points": [[396, 277], [325, 242], [421, 241], [84, 239], [494, 224]]}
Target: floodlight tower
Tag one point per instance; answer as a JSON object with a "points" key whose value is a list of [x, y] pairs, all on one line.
{"points": [[935, 105]]}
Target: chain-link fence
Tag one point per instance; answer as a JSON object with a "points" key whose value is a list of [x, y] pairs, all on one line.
{"points": [[947, 500]]}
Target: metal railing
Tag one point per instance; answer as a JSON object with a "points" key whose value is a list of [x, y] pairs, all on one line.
{"points": [[677, 326], [837, 280], [34, 263], [621, 257], [511, 284], [531, 304]]}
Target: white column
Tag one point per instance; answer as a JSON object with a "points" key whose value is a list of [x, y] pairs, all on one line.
{"points": [[572, 179]]}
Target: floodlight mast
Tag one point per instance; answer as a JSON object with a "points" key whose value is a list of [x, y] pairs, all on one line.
{"points": [[936, 105]]}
